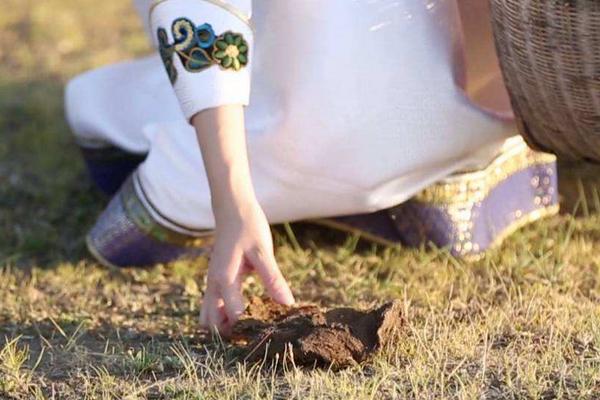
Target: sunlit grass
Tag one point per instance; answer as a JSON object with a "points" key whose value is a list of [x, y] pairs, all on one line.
{"points": [[524, 322]]}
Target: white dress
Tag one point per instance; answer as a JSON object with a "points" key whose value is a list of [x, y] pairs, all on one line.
{"points": [[352, 105]]}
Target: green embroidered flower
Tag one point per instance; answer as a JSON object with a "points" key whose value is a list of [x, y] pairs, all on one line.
{"points": [[231, 51]]}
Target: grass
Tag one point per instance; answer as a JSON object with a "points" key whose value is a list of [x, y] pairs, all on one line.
{"points": [[524, 322]]}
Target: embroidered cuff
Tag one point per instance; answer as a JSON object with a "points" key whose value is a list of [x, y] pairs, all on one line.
{"points": [[206, 48]]}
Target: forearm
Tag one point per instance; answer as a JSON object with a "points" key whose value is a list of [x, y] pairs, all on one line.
{"points": [[222, 138], [206, 47]]}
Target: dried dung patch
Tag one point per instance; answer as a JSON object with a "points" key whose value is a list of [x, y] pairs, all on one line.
{"points": [[313, 337]]}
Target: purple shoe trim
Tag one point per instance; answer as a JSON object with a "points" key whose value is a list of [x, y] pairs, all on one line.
{"points": [[117, 240], [522, 198], [464, 225]]}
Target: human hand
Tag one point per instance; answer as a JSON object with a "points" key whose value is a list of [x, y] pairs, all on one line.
{"points": [[243, 241], [243, 244]]}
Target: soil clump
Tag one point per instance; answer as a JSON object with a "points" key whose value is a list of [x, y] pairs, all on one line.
{"points": [[306, 335]]}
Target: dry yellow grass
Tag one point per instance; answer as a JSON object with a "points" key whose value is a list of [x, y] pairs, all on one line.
{"points": [[524, 322]]}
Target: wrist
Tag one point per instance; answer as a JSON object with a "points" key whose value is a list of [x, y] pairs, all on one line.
{"points": [[232, 183], [235, 213], [233, 197]]}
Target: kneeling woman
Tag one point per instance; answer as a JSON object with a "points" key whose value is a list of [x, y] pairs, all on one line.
{"points": [[302, 110]]}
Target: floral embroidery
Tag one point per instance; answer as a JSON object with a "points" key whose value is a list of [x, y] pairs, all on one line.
{"points": [[166, 53], [199, 48], [231, 51]]}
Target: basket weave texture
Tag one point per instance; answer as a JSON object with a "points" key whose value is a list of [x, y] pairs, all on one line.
{"points": [[549, 52]]}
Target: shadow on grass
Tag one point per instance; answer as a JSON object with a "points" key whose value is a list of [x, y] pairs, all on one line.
{"points": [[46, 199], [74, 361]]}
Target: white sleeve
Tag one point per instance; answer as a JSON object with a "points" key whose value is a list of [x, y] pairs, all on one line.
{"points": [[206, 46]]}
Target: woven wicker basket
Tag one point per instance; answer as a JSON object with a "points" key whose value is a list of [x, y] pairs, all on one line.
{"points": [[550, 55]]}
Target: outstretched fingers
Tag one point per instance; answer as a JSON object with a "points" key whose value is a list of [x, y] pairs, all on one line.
{"points": [[212, 313], [266, 267], [223, 303], [233, 303]]}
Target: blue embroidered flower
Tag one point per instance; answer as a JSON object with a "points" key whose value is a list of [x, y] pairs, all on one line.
{"points": [[205, 36]]}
